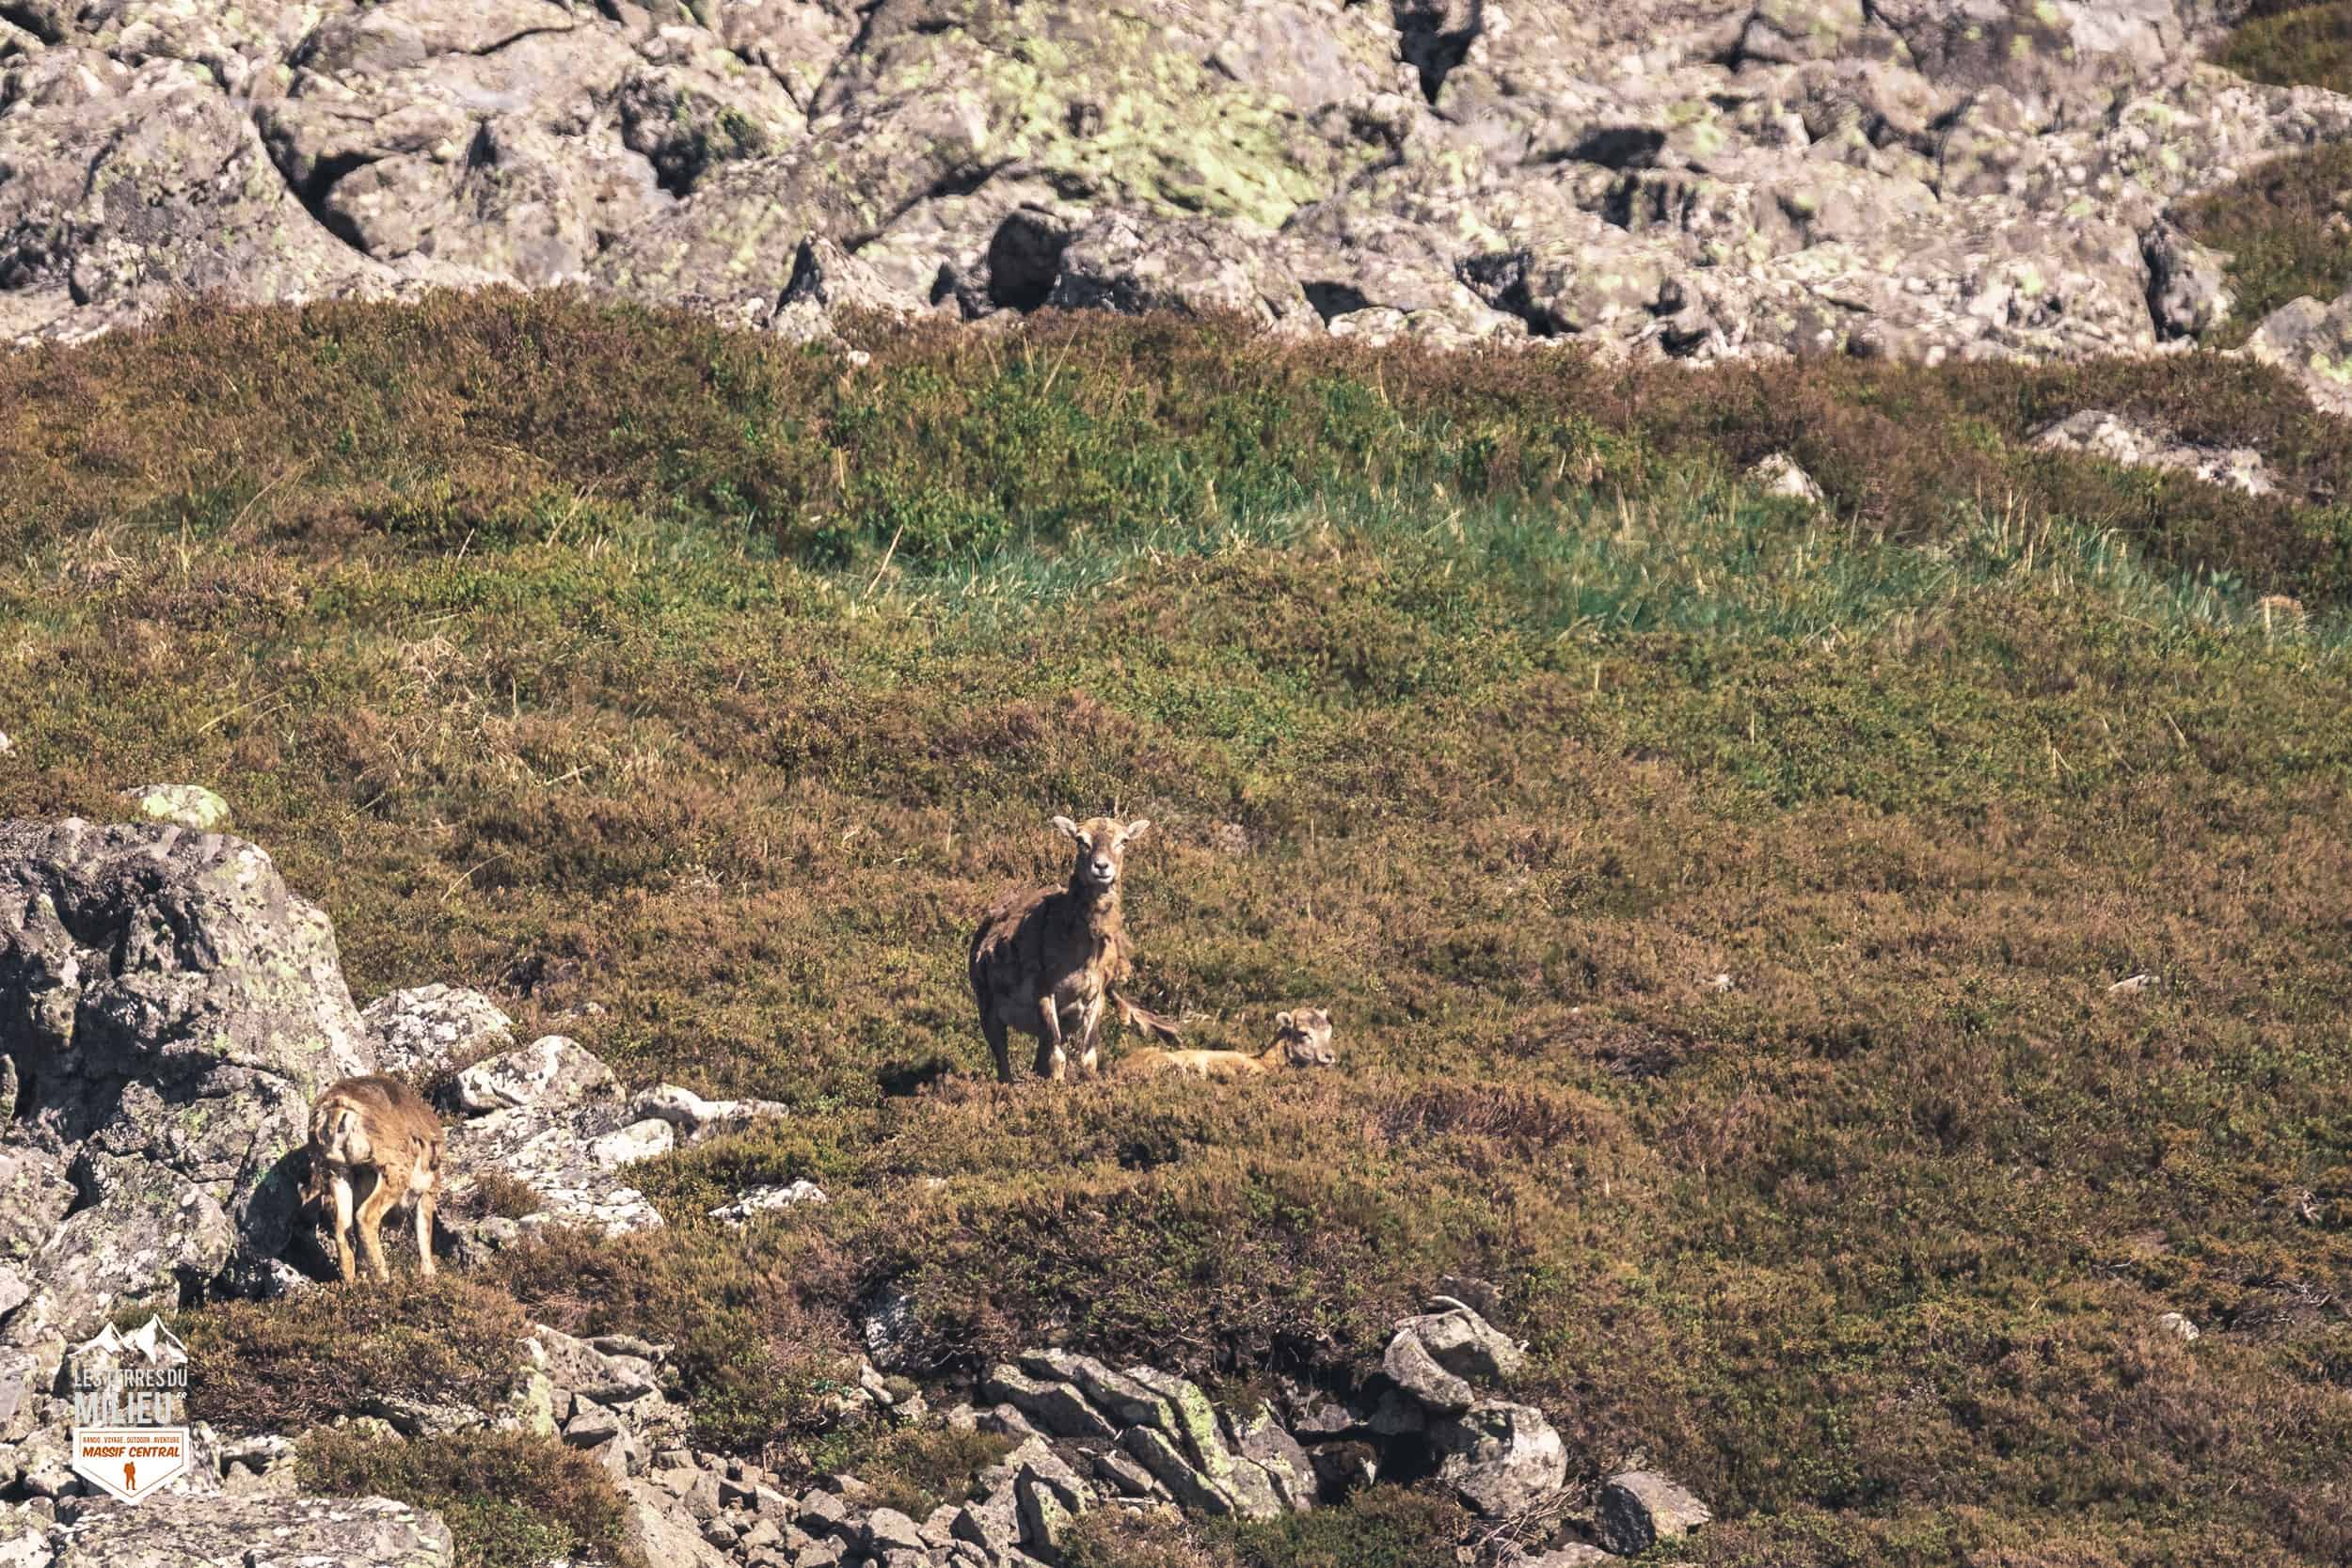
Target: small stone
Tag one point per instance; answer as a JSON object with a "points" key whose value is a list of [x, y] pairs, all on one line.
{"points": [[1126, 1476], [619, 1456], [2134, 986], [820, 1513], [640, 1140], [2177, 1323], [1412, 1369], [760, 1201], [887, 1529], [190, 806], [992, 1523], [1778, 475], [1642, 1508], [889, 1324], [627, 1344], [1008, 1421], [1576, 1554], [591, 1424]]}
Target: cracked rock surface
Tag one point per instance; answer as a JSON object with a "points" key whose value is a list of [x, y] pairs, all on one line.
{"points": [[1688, 178]]}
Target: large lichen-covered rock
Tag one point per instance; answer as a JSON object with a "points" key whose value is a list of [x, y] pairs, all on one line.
{"points": [[121, 201], [551, 1073], [549, 1116], [167, 1529], [170, 1009], [1289, 1470], [35, 1195], [474, 133]]}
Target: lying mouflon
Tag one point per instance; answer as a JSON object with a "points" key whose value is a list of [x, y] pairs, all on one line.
{"points": [[1301, 1039], [1045, 962]]}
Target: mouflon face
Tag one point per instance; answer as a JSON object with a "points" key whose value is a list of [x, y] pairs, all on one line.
{"points": [[1306, 1037], [1102, 842]]}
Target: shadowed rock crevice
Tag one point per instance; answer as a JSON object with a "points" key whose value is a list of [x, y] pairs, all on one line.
{"points": [[316, 184], [1436, 37]]}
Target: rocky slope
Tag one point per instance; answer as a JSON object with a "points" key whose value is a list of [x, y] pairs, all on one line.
{"points": [[167, 1010], [1891, 176]]}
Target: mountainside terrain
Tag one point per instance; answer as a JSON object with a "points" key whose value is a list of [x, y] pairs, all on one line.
{"points": [[1723, 897], [1828, 868], [1903, 179]]}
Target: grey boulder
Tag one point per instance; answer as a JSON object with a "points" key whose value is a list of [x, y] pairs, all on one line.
{"points": [[1500, 1458], [168, 1010], [1641, 1508]]}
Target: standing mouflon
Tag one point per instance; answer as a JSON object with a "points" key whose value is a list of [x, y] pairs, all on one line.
{"points": [[383, 1127], [1045, 962]]}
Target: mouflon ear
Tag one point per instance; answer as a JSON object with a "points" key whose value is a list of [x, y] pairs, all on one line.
{"points": [[1282, 1022], [1135, 830], [1069, 828]]}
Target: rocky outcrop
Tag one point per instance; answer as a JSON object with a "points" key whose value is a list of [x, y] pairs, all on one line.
{"points": [[542, 1115], [1699, 180], [167, 1010]]}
